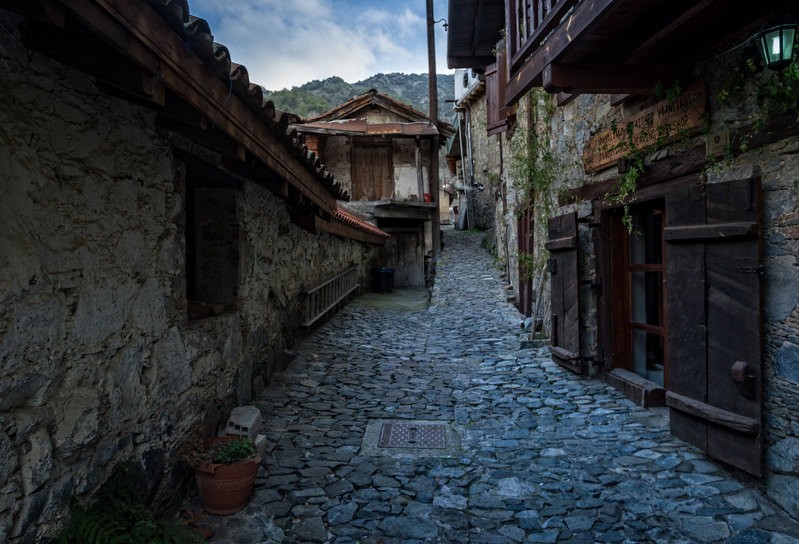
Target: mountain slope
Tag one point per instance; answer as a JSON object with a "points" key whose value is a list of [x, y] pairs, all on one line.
{"points": [[319, 96]]}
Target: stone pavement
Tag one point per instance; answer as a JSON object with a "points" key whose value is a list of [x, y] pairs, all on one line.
{"points": [[533, 453]]}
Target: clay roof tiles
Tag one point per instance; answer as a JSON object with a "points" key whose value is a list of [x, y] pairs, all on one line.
{"points": [[197, 35], [353, 220]]}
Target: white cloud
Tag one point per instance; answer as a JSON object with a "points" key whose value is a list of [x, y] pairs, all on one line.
{"points": [[285, 44]]}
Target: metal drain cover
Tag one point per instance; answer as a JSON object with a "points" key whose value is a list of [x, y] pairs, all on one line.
{"points": [[413, 435]]}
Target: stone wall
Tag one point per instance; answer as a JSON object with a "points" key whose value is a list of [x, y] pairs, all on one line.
{"points": [[563, 131], [100, 362], [487, 153], [568, 128]]}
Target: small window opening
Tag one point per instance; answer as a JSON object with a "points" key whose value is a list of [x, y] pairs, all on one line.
{"points": [[212, 246]]}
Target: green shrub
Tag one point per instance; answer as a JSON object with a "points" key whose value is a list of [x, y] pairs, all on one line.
{"points": [[117, 515]]}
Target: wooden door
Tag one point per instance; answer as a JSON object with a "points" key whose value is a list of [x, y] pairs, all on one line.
{"points": [[563, 266], [713, 252], [372, 177]]}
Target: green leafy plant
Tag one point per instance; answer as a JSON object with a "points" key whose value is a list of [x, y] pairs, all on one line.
{"points": [[117, 515], [235, 451], [533, 164]]}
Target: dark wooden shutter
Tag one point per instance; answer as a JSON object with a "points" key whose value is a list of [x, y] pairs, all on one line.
{"points": [[714, 340], [498, 116], [565, 282]]}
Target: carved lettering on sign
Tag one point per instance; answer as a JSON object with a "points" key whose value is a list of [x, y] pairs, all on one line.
{"points": [[659, 124]]}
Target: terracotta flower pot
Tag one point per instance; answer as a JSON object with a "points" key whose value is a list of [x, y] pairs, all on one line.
{"points": [[225, 489]]}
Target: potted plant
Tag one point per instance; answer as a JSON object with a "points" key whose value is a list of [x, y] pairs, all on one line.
{"points": [[225, 468]]}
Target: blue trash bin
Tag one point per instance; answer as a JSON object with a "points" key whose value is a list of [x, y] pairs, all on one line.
{"points": [[383, 278]]}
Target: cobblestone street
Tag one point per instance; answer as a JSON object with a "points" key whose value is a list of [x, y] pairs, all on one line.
{"points": [[533, 453]]}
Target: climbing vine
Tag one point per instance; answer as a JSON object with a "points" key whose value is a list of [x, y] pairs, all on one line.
{"points": [[764, 93], [533, 165], [633, 164]]}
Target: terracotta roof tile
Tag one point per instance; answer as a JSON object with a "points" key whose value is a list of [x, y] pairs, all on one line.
{"points": [[354, 221], [196, 32]]}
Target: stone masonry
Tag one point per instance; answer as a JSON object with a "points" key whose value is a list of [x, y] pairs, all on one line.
{"points": [[99, 362]]}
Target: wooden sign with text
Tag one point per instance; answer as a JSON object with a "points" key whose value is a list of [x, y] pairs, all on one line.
{"points": [[659, 124]]}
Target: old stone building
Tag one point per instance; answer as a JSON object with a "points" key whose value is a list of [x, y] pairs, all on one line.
{"points": [[161, 234], [380, 150], [649, 182]]}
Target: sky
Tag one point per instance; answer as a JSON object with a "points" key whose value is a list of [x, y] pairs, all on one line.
{"points": [[286, 43]]}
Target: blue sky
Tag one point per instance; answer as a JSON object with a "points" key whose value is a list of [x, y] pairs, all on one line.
{"points": [[285, 43]]}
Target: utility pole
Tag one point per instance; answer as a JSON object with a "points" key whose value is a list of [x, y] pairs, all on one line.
{"points": [[433, 83]]}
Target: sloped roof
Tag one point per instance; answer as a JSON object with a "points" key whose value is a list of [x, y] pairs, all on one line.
{"points": [[416, 122], [157, 53], [362, 127], [196, 33], [353, 220]]}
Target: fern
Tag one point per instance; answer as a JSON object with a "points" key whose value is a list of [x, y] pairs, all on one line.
{"points": [[117, 515]]}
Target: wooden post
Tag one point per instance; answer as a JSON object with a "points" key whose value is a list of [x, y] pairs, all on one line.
{"points": [[433, 93]]}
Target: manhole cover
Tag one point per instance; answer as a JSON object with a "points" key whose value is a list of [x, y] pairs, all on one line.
{"points": [[413, 435]]}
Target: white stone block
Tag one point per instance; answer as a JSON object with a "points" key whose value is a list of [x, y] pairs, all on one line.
{"points": [[244, 421]]}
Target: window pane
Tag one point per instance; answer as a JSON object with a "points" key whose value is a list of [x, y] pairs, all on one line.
{"points": [[645, 241], [646, 298], [648, 356]]}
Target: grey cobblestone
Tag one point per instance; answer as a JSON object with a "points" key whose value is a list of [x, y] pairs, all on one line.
{"points": [[545, 456]]}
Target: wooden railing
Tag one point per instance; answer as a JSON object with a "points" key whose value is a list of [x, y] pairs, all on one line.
{"points": [[323, 297], [530, 22]]}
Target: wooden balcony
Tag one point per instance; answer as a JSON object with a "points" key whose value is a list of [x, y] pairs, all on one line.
{"points": [[604, 46], [529, 21], [623, 46]]}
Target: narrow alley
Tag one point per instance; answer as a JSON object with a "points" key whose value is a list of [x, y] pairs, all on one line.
{"points": [[513, 448]]}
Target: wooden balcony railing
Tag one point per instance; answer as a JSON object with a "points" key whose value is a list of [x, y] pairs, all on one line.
{"points": [[530, 22], [323, 297]]}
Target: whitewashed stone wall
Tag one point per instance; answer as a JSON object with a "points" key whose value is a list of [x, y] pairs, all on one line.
{"points": [[99, 362]]}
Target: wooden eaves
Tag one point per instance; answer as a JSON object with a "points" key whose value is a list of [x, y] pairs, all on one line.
{"points": [[189, 81]]}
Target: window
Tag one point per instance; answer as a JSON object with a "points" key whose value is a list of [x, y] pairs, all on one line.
{"points": [[212, 245], [638, 281]]}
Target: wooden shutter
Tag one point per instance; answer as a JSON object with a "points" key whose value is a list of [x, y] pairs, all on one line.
{"points": [[372, 172], [565, 282], [714, 340], [498, 116]]}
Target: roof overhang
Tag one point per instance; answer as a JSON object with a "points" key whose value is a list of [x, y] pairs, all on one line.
{"points": [[360, 127], [158, 55], [474, 30], [612, 46]]}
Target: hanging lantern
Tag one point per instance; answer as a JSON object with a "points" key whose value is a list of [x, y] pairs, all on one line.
{"points": [[776, 44]]}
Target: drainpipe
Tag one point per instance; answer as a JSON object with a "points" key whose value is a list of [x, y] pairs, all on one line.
{"points": [[461, 128], [468, 184]]}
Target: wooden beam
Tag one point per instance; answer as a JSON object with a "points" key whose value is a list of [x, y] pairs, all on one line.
{"points": [[561, 99], [655, 40], [88, 54], [141, 35], [709, 233], [569, 242], [730, 420], [609, 78], [586, 14]]}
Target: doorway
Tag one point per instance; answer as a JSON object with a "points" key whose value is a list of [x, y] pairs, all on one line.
{"points": [[637, 268]]}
